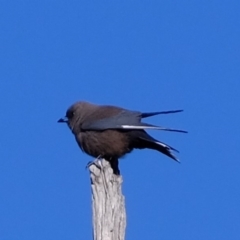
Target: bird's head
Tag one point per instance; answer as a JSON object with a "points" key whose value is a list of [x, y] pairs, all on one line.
{"points": [[73, 117]]}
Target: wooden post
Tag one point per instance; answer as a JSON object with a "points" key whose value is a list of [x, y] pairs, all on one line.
{"points": [[108, 203]]}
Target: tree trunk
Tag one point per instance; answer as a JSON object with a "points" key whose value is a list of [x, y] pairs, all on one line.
{"points": [[108, 204]]}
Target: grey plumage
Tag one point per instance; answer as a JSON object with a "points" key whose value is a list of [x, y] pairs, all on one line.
{"points": [[110, 132]]}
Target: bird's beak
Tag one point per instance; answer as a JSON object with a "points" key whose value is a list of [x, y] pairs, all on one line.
{"points": [[62, 120]]}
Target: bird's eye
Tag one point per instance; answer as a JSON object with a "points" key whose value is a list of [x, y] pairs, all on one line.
{"points": [[70, 114]]}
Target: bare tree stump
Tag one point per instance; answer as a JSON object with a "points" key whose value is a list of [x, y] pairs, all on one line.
{"points": [[108, 203]]}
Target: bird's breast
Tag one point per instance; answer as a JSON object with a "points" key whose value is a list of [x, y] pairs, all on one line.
{"points": [[107, 144]]}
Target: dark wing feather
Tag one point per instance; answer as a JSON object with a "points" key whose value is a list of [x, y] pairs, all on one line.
{"points": [[150, 114]]}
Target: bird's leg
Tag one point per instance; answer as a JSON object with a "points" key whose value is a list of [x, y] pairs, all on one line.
{"points": [[97, 162], [114, 165]]}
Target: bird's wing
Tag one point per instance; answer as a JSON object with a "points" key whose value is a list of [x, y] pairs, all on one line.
{"points": [[114, 121], [125, 120], [150, 114]]}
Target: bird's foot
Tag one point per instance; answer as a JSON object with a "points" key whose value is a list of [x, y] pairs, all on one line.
{"points": [[97, 162]]}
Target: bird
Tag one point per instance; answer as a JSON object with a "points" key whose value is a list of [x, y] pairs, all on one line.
{"points": [[110, 132]]}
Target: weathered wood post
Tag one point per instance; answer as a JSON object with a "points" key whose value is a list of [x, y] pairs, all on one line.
{"points": [[108, 203]]}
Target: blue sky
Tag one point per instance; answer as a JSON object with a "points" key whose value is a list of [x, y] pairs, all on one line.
{"points": [[141, 55]]}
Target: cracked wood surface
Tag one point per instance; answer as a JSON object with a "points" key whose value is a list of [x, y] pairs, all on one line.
{"points": [[108, 203]]}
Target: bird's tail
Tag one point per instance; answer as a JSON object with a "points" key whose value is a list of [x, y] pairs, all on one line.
{"points": [[146, 141]]}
